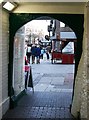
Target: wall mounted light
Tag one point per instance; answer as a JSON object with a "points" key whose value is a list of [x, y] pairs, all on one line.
{"points": [[9, 6]]}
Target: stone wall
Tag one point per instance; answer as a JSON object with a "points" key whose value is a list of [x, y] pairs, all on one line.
{"points": [[85, 90], [80, 101]]}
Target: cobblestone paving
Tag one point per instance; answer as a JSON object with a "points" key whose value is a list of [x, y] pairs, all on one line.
{"points": [[42, 105], [52, 95]]}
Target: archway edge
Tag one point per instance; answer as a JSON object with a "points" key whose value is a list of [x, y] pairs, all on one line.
{"points": [[74, 21]]}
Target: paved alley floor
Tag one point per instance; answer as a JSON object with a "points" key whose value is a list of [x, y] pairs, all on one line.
{"points": [[52, 97]]}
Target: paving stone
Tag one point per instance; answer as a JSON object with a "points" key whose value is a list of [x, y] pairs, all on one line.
{"points": [[57, 81], [40, 87], [52, 94]]}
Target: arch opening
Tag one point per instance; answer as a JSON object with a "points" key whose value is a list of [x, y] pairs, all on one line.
{"points": [[18, 64], [50, 18]]}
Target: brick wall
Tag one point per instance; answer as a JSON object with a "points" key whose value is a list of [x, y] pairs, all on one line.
{"points": [[4, 40], [0, 64]]}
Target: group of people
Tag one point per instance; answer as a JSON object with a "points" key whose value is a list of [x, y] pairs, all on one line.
{"points": [[35, 51]]}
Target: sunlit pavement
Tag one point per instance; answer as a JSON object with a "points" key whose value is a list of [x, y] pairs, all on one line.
{"points": [[49, 77], [53, 86]]}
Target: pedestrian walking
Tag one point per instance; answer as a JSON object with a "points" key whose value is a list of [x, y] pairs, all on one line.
{"points": [[33, 53], [38, 53], [28, 53], [47, 53], [42, 53]]}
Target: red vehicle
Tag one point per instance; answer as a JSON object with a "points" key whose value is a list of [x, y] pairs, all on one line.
{"points": [[58, 54]]}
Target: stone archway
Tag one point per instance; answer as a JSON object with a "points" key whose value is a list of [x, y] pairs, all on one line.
{"points": [[72, 20]]}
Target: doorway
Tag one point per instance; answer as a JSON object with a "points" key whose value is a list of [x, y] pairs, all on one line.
{"points": [[17, 26], [53, 85]]}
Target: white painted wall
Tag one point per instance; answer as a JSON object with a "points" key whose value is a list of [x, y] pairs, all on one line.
{"points": [[18, 62]]}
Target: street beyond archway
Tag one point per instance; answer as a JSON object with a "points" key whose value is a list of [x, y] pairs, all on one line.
{"points": [[53, 77], [52, 97]]}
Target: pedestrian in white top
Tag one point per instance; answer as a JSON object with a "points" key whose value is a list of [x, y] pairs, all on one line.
{"points": [[28, 52]]}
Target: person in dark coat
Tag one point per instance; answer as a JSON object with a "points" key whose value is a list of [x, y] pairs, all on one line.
{"points": [[38, 53], [33, 52]]}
